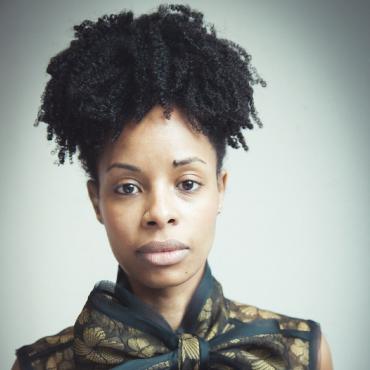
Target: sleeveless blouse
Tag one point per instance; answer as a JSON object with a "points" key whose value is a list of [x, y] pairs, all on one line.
{"points": [[116, 330]]}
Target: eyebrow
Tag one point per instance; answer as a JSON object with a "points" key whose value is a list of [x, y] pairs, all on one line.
{"points": [[175, 163]]}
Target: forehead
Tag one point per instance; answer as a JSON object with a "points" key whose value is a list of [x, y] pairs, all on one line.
{"points": [[156, 140]]}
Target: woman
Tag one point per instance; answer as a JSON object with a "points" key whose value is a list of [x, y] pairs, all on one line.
{"points": [[150, 105]]}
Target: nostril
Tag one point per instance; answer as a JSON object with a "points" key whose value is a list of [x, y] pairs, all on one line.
{"points": [[170, 221]]}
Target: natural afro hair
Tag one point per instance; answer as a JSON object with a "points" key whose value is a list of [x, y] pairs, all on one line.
{"points": [[118, 67]]}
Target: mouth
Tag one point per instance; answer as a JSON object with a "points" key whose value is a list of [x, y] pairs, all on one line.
{"points": [[164, 253]]}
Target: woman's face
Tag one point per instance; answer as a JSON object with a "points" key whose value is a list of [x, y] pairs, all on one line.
{"points": [[157, 183]]}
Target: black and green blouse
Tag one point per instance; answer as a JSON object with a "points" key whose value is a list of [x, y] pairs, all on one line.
{"points": [[116, 330]]}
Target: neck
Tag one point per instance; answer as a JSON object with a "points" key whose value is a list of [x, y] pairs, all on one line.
{"points": [[170, 302]]}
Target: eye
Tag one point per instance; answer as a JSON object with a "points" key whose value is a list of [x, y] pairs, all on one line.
{"points": [[189, 185], [127, 189]]}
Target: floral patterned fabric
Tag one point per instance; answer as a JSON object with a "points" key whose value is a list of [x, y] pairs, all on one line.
{"points": [[115, 330]]}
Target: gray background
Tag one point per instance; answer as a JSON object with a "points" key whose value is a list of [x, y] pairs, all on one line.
{"points": [[293, 235]]}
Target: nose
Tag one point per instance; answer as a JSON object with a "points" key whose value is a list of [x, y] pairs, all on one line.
{"points": [[160, 209]]}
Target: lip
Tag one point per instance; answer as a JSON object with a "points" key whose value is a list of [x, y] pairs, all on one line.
{"points": [[163, 253]]}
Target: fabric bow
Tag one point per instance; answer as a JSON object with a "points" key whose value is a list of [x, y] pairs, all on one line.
{"points": [[115, 330]]}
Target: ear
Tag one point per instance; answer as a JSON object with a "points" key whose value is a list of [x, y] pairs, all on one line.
{"points": [[93, 191], [221, 185]]}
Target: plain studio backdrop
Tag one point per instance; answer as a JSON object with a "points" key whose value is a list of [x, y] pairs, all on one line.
{"points": [[293, 236]]}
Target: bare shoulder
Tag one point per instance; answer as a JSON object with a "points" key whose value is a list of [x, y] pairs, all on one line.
{"points": [[16, 365], [325, 359]]}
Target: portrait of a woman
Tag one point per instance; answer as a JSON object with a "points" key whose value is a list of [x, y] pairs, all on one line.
{"points": [[149, 105]]}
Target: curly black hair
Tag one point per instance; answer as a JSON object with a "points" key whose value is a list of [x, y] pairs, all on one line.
{"points": [[118, 67]]}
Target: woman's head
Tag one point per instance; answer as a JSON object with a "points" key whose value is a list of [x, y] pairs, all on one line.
{"points": [[157, 182], [150, 105], [119, 67]]}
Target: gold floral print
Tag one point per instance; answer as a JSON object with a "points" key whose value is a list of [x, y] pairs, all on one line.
{"points": [[133, 331], [98, 341], [300, 349], [105, 321], [248, 311], [268, 314], [56, 339], [60, 360], [242, 312], [188, 352], [140, 347], [92, 346], [204, 318], [262, 359], [53, 361], [303, 326], [84, 316], [228, 327], [212, 332], [206, 311]]}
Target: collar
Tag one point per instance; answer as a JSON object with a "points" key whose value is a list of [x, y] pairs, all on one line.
{"points": [[116, 330]]}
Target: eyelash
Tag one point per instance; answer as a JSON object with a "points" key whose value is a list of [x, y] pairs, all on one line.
{"points": [[129, 183]]}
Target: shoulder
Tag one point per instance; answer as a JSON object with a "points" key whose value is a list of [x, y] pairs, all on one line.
{"points": [[52, 351], [324, 359], [301, 337], [247, 313]]}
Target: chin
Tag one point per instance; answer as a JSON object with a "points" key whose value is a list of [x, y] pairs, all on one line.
{"points": [[168, 276]]}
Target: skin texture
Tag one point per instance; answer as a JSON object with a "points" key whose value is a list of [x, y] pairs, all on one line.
{"points": [[163, 202], [325, 359]]}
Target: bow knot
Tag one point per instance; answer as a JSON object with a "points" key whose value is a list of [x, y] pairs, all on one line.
{"points": [[193, 352], [115, 330]]}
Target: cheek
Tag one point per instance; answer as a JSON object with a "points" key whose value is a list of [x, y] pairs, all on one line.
{"points": [[203, 217], [119, 221]]}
